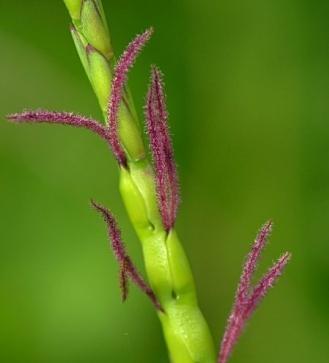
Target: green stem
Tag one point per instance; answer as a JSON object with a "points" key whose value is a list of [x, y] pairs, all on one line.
{"points": [[185, 329]]}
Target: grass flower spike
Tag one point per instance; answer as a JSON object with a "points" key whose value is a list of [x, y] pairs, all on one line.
{"points": [[150, 193]]}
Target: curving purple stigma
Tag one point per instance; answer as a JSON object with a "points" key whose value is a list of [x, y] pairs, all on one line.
{"points": [[62, 118], [122, 67], [127, 268], [267, 281], [246, 301], [140, 282], [162, 151], [251, 260]]}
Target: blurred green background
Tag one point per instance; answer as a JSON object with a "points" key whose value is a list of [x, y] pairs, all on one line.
{"points": [[248, 85]]}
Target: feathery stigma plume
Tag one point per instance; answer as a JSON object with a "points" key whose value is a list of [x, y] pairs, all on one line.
{"points": [[127, 268], [122, 67], [162, 151], [62, 118], [247, 299], [266, 282], [250, 264]]}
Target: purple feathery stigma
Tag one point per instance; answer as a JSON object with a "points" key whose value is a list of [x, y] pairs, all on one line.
{"points": [[251, 261], [246, 301], [127, 268], [162, 151], [231, 335], [158, 157], [117, 246], [160, 99], [63, 118], [119, 79], [267, 281]]}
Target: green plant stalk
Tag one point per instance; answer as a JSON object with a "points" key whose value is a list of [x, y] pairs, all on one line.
{"points": [[186, 332]]}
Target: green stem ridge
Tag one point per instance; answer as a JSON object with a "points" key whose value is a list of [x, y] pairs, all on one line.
{"points": [[186, 332]]}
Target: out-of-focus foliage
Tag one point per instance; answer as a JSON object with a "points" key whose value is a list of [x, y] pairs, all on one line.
{"points": [[248, 85]]}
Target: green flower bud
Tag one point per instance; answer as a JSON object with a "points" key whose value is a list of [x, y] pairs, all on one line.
{"points": [[81, 49], [130, 135], [74, 8], [100, 76], [94, 28]]}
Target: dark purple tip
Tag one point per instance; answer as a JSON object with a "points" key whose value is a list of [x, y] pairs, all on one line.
{"points": [[124, 283], [123, 65], [90, 48], [127, 268], [162, 151]]}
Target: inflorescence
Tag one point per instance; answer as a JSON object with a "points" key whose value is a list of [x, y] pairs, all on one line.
{"points": [[247, 297]]}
